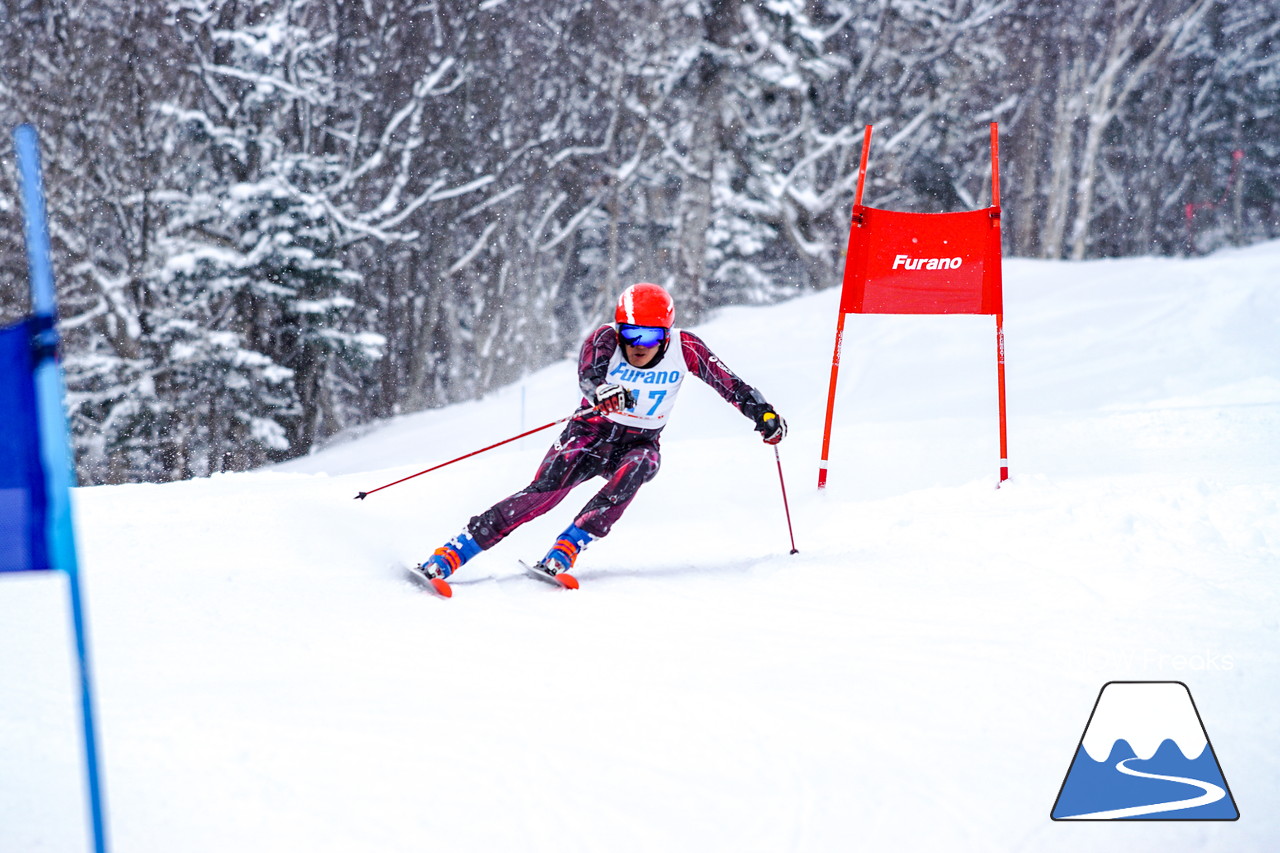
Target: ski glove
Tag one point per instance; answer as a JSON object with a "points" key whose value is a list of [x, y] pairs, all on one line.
{"points": [[771, 426], [613, 398]]}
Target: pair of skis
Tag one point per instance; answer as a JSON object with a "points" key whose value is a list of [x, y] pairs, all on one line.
{"points": [[441, 587]]}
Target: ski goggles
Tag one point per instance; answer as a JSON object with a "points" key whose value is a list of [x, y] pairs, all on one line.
{"points": [[641, 336]]}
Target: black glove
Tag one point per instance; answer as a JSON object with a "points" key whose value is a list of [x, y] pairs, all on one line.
{"points": [[771, 426], [613, 398]]}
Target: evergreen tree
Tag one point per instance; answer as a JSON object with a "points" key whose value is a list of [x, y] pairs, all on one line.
{"points": [[257, 297]]}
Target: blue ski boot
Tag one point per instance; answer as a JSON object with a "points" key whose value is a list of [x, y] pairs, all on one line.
{"points": [[568, 545], [449, 557]]}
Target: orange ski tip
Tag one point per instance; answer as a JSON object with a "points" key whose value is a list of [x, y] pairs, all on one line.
{"points": [[442, 587], [567, 581]]}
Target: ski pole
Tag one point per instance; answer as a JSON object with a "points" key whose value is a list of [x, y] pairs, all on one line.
{"points": [[783, 483], [576, 414]]}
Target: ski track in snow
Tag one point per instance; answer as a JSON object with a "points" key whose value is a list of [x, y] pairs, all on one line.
{"points": [[915, 678]]}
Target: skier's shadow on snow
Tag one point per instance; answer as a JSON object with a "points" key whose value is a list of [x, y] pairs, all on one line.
{"points": [[603, 574]]}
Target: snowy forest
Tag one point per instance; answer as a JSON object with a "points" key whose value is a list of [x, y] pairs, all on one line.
{"points": [[274, 220]]}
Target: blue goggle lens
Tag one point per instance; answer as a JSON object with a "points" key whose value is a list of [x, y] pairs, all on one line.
{"points": [[641, 336]]}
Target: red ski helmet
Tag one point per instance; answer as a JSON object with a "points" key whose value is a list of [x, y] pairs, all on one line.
{"points": [[645, 304]]}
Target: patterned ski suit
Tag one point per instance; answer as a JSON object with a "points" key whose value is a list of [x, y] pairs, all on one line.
{"points": [[622, 447]]}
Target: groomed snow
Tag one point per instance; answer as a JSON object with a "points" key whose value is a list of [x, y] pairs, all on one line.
{"points": [[916, 678]]}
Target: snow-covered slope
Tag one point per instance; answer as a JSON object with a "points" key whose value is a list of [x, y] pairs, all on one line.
{"points": [[916, 678]]}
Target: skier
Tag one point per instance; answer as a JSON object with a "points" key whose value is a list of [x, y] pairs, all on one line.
{"points": [[630, 371]]}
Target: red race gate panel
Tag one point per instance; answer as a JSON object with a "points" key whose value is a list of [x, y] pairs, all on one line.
{"points": [[923, 263]]}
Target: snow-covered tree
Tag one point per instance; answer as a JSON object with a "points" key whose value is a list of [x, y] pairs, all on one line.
{"points": [[273, 219], [251, 305]]}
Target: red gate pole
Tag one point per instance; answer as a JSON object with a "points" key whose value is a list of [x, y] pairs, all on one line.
{"points": [[862, 166], [995, 223], [1004, 432], [835, 357], [831, 402], [995, 166]]}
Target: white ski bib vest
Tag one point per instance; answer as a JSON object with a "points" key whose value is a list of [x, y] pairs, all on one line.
{"points": [[655, 387]]}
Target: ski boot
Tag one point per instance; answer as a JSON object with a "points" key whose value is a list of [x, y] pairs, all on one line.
{"points": [[446, 560], [560, 559]]}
